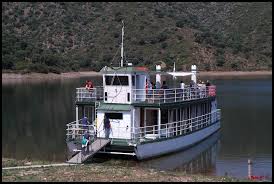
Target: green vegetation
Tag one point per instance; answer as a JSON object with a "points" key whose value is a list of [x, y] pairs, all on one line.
{"points": [[67, 36]]}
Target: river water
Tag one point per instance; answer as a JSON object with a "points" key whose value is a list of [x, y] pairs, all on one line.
{"points": [[34, 116]]}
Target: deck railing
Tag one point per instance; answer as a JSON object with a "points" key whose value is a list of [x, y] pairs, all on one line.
{"points": [[175, 128], [91, 95], [172, 95], [151, 95], [75, 130]]}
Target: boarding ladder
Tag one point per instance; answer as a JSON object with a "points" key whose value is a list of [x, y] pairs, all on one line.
{"points": [[94, 147], [75, 131]]}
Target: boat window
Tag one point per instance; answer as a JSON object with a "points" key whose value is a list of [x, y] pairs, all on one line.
{"points": [[116, 80], [114, 115], [133, 80]]}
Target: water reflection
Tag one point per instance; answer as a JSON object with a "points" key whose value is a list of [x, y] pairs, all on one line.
{"points": [[34, 116], [200, 158]]}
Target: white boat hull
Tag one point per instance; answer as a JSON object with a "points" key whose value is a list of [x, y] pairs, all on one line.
{"points": [[153, 149]]}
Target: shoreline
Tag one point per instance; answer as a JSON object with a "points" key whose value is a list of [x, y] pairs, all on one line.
{"points": [[6, 76], [235, 73], [69, 75], [99, 172]]}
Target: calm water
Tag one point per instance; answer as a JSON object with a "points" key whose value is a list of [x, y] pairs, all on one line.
{"points": [[34, 116]]}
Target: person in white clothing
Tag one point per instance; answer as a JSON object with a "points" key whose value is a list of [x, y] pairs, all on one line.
{"points": [[182, 86]]}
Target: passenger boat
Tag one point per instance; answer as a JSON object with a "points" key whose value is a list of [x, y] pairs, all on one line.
{"points": [[144, 122]]}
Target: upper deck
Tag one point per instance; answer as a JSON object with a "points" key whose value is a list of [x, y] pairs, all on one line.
{"points": [[150, 96]]}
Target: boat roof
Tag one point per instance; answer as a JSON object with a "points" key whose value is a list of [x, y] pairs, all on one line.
{"points": [[124, 70], [114, 107], [139, 69]]}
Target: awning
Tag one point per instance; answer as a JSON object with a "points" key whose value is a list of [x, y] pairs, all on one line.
{"points": [[180, 73], [114, 107]]}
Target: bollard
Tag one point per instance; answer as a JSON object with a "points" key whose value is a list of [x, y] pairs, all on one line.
{"points": [[249, 162]]}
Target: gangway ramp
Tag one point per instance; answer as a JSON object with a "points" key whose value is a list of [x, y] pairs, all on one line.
{"points": [[94, 147]]}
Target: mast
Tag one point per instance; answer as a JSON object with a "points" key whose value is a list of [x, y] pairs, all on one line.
{"points": [[174, 77], [174, 67], [122, 46]]}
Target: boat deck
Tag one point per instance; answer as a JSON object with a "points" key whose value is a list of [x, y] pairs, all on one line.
{"points": [[153, 97]]}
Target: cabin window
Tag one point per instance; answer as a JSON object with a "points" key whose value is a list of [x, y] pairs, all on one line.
{"points": [[114, 115], [128, 97], [133, 80], [116, 80], [106, 96]]}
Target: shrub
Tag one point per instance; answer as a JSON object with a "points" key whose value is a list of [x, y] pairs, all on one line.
{"points": [[162, 37], [75, 67], [25, 71], [164, 45], [234, 66], [116, 35], [7, 62], [142, 42], [54, 69], [198, 38], [220, 60], [21, 65], [118, 17], [84, 62], [39, 67], [180, 23], [207, 67]]}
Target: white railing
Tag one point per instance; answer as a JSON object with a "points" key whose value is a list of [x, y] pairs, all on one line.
{"points": [[75, 130], [85, 95], [175, 128], [166, 130], [172, 95]]}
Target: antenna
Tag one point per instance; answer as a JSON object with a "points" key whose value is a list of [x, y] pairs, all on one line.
{"points": [[122, 46], [174, 67], [174, 77]]}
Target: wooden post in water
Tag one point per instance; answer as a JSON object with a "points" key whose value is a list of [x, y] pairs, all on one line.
{"points": [[249, 162]]}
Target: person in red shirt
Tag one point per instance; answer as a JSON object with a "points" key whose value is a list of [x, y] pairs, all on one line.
{"points": [[90, 84], [87, 85]]}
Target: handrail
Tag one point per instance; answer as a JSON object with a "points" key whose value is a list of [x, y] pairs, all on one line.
{"points": [[152, 95], [170, 129], [175, 128], [75, 130], [92, 94], [173, 94]]}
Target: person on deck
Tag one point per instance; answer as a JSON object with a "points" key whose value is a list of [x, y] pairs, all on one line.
{"points": [[84, 143], [153, 85], [193, 89], [182, 86], [207, 83], [89, 87], [164, 86], [106, 126], [87, 137], [164, 91], [85, 122]]}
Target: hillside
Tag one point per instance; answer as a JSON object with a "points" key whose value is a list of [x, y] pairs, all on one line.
{"points": [[59, 37]]}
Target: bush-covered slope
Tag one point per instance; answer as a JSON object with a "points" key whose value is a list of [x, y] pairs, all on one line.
{"points": [[57, 37]]}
